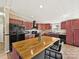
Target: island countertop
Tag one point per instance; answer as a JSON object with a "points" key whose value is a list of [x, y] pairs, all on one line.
{"points": [[27, 49]]}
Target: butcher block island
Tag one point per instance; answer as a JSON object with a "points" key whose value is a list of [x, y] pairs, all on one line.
{"points": [[27, 49]]}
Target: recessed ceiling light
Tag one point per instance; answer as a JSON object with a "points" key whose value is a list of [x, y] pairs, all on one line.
{"points": [[41, 6]]}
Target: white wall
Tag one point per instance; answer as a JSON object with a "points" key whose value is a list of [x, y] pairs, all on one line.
{"points": [[2, 2], [1, 29]]}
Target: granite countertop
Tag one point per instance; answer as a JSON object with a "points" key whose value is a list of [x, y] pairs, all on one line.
{"points": [[60, 32]]}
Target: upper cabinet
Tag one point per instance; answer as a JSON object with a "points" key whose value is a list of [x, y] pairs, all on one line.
{"points": [[44, 26], [25, 24], [75, 24], [15, 21], [63, 25], [70, 24]]}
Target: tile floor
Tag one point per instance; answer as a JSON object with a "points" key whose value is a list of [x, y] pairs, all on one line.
{"points": [[70, 52]]}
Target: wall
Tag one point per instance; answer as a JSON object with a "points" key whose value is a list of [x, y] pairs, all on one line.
{"points": [[2, 2], [1, 28], [6, 29]]}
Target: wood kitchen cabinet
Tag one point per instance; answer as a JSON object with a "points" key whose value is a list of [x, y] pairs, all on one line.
{"points": [[76, 37], [68, 25], [72, 31], [63, 25], [44, 26], [69, 37], [16, 22], [16, 28], [75, 24], [27, 25]]}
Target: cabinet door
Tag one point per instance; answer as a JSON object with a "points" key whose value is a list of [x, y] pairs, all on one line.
{"points": [[12, 21], [75, 24], [29, 25], [63, 25], [68, 25], [76, 37], [69, 33], [69, 37]]}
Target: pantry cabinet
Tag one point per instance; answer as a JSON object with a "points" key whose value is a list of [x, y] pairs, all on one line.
{"points": [[72, 31], [63, 25], [76, 37]]}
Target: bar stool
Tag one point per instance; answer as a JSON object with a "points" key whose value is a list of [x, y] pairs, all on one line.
{"points": [[54, 51], [51, 54], [56, 45]]}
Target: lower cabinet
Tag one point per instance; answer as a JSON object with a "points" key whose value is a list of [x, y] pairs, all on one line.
{"points": [[69, 37], [15, 55], [76, 37], [72, 37]]}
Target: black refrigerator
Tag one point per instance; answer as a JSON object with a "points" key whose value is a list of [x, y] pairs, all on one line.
{"points": [[16, 34]]}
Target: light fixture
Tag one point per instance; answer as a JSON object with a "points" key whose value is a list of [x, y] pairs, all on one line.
{"points": [[43, 3], [41, 6]]}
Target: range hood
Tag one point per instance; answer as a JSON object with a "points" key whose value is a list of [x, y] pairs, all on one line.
{"points": [[35, 25]]}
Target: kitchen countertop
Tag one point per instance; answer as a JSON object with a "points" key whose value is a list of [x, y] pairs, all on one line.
{"points": [[60, 32], [27, 49]]}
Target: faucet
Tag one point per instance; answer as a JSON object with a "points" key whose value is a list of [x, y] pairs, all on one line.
{"points": [[39, 37], [40, 34]]}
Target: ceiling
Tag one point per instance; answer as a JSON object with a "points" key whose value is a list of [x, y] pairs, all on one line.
{"points": [[52, 11]]}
